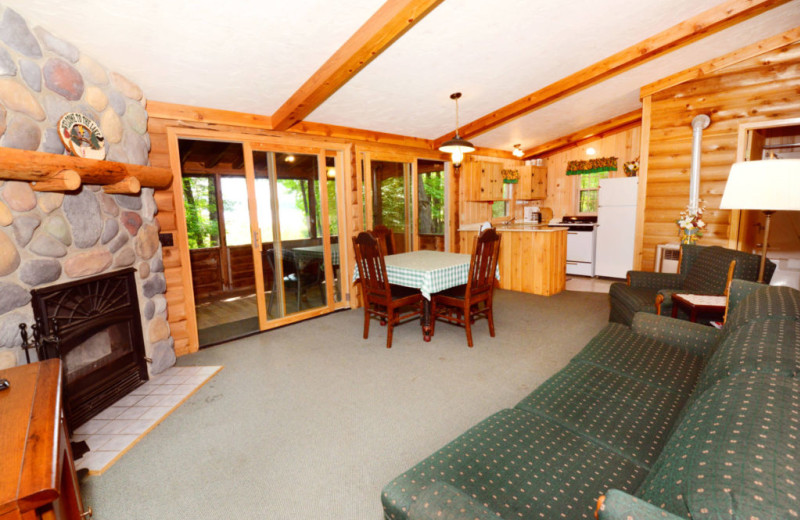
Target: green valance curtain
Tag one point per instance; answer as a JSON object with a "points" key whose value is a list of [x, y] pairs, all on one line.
{"points": [[602, 164]]}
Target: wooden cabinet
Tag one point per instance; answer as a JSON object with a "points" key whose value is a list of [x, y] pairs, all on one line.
{"points": [[37, 473], [485, 180], [532, 183], [530, 261]]}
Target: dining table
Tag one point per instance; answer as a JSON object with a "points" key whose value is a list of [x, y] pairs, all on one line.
{"points": [[428, 271], [316, 252]]}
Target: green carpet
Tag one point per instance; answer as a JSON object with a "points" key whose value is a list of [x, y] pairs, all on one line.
{"points": [[309, 421]]}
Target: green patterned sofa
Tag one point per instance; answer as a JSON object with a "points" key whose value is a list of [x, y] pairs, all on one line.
{"points": [[665, 419], [702, 270]]}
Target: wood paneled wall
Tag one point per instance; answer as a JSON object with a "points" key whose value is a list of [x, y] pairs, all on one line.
{"points": [[760, 88], [562, 194]]}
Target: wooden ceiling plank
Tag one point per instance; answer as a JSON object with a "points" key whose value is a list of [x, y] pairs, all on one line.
{"points": [[711, 66], [218, 154], [715, 19], [390, 22], [592, 132]]}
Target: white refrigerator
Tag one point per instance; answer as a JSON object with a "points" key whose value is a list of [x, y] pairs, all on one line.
{"points": [[616, 224]]}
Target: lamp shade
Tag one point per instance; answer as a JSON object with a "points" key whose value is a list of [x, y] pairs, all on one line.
{"points": [[457, 144], [770, 185]]}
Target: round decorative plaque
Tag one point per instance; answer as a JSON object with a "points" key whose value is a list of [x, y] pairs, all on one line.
{"points": [[81, 136]]}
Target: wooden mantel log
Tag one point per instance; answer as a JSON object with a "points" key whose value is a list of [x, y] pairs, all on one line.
{"points": [[26, 165], [62, 180]]}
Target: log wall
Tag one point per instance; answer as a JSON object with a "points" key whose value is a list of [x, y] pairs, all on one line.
{"points": [[761, 88]]}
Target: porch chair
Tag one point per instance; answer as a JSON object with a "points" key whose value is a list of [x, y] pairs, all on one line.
{"points": [[462, 304], [701, 270], [385, 235], [294, 276], [380, 298]]}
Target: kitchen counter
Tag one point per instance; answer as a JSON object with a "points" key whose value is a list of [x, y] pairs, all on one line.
{"points": [[522, 226], [533, 257]]}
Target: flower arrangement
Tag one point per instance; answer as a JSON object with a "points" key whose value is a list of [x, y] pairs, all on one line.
{"points": [[510, 176], [691, 225], [631, 168]]}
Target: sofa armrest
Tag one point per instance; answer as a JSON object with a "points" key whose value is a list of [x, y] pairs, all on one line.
{"points": [[692, 337], [655, 280], [618, 505]]}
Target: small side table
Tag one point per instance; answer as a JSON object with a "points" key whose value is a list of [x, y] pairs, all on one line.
{"points": [[695, 304]]}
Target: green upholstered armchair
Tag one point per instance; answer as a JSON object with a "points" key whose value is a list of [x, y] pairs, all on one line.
{"points": [[702, 270]]}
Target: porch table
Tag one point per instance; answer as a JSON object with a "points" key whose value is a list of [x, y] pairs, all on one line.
{"points": [[316, 252], [430, 272]]}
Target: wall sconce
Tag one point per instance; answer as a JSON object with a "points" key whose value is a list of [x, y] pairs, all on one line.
{"points": [[456, 146], [590, 151], [517, 151]]}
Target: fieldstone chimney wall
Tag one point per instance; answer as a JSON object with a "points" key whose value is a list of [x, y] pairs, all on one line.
{"points": [[51, 238]]}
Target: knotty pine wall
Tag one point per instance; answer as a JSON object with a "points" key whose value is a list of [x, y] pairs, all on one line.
{"points": [[761, 88], [562, 189]]}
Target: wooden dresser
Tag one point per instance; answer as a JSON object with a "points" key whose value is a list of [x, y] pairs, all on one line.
{"points": [[37, 473]]}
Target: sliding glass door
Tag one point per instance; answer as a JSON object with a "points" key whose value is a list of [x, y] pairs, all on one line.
{"points": [[262, 226]]}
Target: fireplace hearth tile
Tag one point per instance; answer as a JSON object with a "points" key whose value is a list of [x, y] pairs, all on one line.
{"points": [[118, 428]]}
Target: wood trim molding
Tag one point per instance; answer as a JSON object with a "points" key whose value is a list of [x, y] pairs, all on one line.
{"points": [[641, 196], [693, 29], [162, 110], [613, 125], [711, 66], [344, 132], [390, 22]]}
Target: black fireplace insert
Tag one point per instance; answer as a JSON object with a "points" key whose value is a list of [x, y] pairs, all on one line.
{"points": [[99, 340]]}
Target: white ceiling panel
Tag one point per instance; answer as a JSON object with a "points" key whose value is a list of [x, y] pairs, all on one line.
{"points": [[494, 53], [252, 55], [620, 94], [243, 55]]}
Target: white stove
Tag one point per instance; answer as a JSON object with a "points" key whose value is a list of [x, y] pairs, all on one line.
{"points": [[581, 239]]}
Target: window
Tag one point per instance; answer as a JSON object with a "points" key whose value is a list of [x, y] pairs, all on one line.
{"points": [[200, 203], [499, 208], [431, 198], [587, 191]]}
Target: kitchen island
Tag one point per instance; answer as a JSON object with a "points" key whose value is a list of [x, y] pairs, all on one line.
{"points": [[533, 257]]}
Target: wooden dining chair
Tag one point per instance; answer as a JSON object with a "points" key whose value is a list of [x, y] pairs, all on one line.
{"points": [[464, 303], [385, 235], [380, 298]]}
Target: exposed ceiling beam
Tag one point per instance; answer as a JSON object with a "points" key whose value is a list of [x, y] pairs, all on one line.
{"points": [[391, 21], [594, 131], [710, 21]]}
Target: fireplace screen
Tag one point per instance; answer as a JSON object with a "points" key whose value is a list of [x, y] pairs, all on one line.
{"points": [[99, 340]]}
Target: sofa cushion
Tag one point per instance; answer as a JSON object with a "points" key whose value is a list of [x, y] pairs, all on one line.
{"points": [[768, 303], [619, 349], [627, 416], [515, 465], [769, 346], [735, 454], [708, 273]]}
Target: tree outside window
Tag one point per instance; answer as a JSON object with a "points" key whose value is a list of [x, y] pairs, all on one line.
{"points": [[587, 191], [200, 203]]}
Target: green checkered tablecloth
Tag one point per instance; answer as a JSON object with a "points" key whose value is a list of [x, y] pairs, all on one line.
{"points": [[428, 271], [307, 253]]}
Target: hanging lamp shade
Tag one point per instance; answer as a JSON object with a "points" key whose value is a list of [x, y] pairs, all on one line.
{"points": [[456, 146]]}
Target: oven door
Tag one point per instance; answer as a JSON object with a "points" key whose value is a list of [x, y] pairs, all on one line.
{"points": [[579, 246]]}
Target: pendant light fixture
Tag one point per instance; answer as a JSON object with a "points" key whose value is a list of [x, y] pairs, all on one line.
{"points": [[456, 146], [517, 151]]}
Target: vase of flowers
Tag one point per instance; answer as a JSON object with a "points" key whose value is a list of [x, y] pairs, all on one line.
{"points": [[691, 225]]}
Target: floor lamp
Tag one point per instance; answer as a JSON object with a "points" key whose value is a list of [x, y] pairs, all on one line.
{"points": [[770, 186]]}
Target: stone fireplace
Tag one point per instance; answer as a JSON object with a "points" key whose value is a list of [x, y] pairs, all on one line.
{"points": [[99, 340], [57, 238]]}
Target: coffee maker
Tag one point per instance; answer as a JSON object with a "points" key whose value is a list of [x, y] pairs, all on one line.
{"points": [[532, 214]]}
